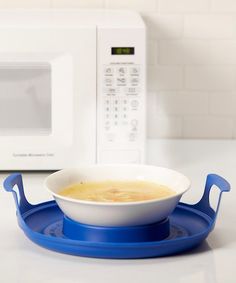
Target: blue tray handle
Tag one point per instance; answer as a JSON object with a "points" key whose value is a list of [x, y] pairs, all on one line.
{"points": [[22, 205], [204, 204]]}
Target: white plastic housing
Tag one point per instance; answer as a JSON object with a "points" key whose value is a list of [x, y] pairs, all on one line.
{"points": [[53, 89]]}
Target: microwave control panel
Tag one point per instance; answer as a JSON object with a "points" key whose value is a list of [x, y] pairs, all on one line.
{"points": [[121, 104]]}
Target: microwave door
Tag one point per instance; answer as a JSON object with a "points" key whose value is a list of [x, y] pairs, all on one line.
{"points": [[36, 109], [47, 96], [25, 101]]}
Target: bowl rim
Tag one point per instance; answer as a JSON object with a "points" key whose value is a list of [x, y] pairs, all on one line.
{"points": [[100, 203]]}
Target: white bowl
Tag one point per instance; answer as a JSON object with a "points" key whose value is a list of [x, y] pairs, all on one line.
{"points": [[118, 213]]}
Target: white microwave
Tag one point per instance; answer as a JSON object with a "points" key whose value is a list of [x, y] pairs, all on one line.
{"points": [[72, 88]]}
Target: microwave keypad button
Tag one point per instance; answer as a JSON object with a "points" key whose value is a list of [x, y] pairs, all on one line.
{"points": [[132, 91], [134, 122], [107, 125], [107, 116], [125, 102], [108, 70], [121, 81], [124, 123], [111, 91], [108, 81], [134, 125], [107, 109], [134, 81], [134, 70], [132, 137], [116, 102], [134, 104], [121, 71]]}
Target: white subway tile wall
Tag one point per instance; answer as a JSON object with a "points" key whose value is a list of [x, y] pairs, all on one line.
{"points": [[77, 4], [223, 6], [210, 78], [191, 62], [138, 5], [210, 127], [171, 77], [183, 6], [22, 4]]}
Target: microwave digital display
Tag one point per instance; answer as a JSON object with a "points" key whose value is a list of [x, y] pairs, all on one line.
{"points": [[122, 50]]}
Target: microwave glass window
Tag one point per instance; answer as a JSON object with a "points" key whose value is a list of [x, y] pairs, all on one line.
{"points": [[25, 100], [122, 50]]}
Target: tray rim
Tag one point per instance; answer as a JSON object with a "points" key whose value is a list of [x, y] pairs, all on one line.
{"points": [[67, 241]]}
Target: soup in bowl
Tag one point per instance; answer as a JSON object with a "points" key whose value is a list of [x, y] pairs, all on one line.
{"points": [[117, 195]]}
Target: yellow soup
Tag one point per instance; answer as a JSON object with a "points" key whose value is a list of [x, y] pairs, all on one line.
{"points": [[117, 191]]}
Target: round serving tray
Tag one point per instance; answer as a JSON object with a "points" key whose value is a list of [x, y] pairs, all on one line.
{"points": [[187, 227]]}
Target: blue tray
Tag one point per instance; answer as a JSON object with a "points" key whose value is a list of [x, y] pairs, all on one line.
{"points": [[185, 229]]}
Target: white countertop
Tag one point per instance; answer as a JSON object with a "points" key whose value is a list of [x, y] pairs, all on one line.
{"points": [[214, 261]]}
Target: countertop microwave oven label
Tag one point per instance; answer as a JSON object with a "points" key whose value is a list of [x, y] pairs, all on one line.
{"points": [[46, 154]]}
